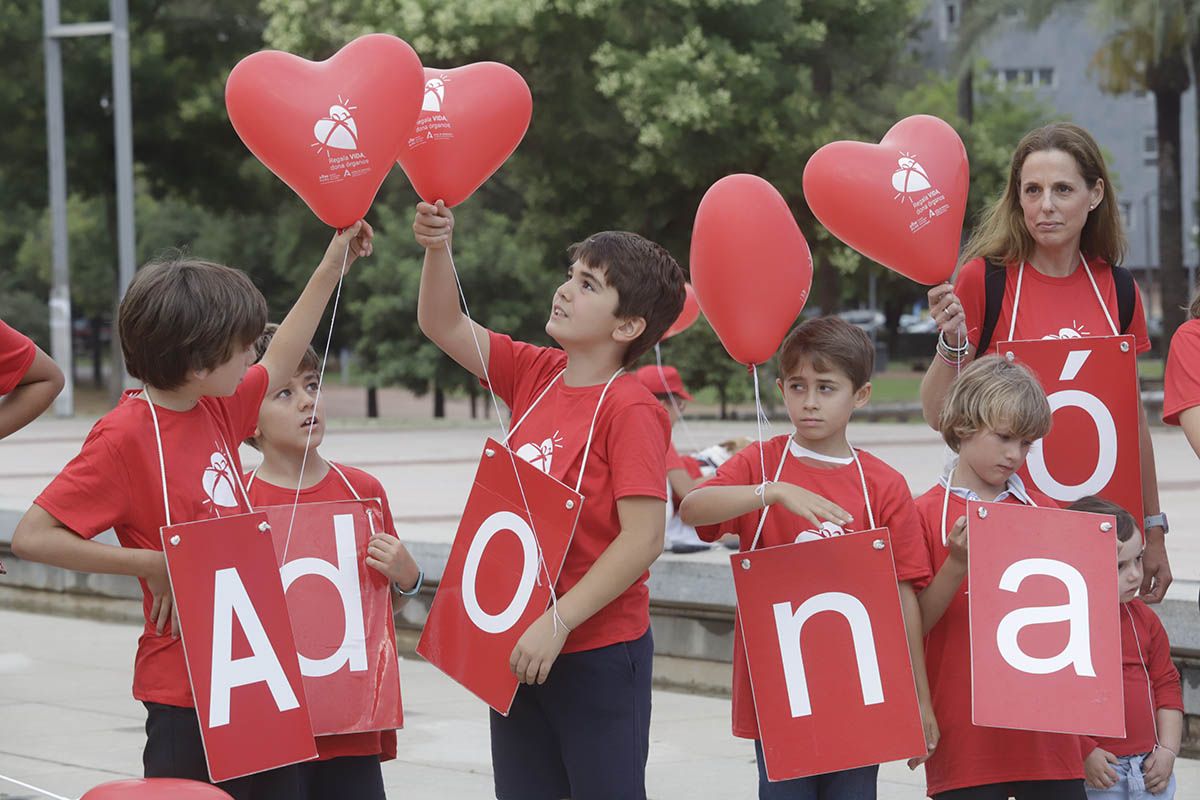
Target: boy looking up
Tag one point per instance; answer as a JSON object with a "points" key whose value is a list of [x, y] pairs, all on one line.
{"points": [[187, 330], [580, 726]]}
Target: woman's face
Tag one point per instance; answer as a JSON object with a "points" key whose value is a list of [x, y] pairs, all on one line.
{"points": [[1055, 199]]}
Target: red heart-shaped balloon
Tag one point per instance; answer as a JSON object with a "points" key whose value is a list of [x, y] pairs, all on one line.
{"points": [[750, 265], [900, 202], [331, 129], [689, 314], [472, 119]]}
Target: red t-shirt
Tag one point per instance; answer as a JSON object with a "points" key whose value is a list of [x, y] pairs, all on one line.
{"points": [[627, 459], [891, 500], [685, 463], [329, 489], [16, 354], [970, 755], [1181, 382], [1148, 670], [1050, 308], [115, 483]]}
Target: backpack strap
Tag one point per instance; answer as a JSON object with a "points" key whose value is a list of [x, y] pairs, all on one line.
{"points": [[994, 278], [1126, 296]]}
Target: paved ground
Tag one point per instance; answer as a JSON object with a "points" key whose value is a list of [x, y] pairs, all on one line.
{"points": [[69, 723]]}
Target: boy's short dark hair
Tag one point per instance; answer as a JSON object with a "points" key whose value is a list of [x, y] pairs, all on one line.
{"points": [[182, 314], [830, 343], [648, 280], [309, 362], [1098, 505]]}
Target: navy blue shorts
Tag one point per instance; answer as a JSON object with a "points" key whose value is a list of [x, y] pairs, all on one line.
{"points": [[849, 784], [174, 750], [584, 733]]}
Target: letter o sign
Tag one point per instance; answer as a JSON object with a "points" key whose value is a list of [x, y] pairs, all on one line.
{"points": [[1106, 463], [497, 523]]}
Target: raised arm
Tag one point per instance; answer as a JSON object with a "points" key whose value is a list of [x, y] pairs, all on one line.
{"points": [[438, 311], [298, 327]]}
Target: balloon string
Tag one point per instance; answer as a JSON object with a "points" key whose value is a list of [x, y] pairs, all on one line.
{"points": [[24, 785], [760, 418], [487, 381], [316, 404], [662, 376]]}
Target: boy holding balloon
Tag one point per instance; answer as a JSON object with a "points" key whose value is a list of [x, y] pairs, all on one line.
{"points": [[818, 486], [580, 722], [187, 331]]}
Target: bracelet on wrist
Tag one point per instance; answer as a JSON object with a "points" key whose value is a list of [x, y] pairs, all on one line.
{"points": [[955, 361], [953, 348], [416, 587]]}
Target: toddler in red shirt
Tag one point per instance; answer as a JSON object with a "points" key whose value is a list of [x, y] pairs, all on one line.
{"points": [[1142, 765], [167, 454], [29, 381], [993, 414], [290, 429], [817, 486], [580, 725]]}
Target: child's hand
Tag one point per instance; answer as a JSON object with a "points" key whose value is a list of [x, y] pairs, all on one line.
{"points": [[956, 540], [387, 555], [537, 649], [162, 608], [804, 503], [1157, 769], [358, 238], [433, 225], [932, 736], [1098, 773]]}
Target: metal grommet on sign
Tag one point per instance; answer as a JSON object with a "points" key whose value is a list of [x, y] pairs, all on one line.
{"points": [[1124, 347], [489, 452], [175, 539], [745, 563], [263, 527], [570, 504], [878, 544], [1008, 356], [982, 512], [1106, 526]]}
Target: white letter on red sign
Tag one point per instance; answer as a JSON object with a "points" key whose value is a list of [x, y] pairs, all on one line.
{"points": [[500, 521], [229, 600], [344, 577], [788, 627], [1075, 612]]}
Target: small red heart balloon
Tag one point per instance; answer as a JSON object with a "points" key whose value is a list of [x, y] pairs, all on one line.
{"points": [[155, 789], [750, 265], [330, 130], [472, 119], [689, 314], [900, 202]]}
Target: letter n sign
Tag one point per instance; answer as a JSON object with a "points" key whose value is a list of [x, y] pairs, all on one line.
{"points": [[508, 551], [827, 654], [238, 645], [1045, 624]]}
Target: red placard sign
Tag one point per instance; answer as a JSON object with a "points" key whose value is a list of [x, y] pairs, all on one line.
{"points": [[341, 612], [1045, 624], [238, 645], [1093, 448], [828, 654], [495, 585]]}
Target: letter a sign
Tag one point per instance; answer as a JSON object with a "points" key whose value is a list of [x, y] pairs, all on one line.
{"points": [[1093, 448], [828, 655], [508, 551], [238, 645], [1045, 625]]}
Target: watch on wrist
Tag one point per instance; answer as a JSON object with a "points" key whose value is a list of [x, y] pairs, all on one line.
{"points": [[1158, 520], [398, 589]]}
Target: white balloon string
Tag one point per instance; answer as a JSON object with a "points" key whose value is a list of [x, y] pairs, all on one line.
{"points": [[487, 381], [24, 785], [316, 402], [662, 376], [760, 418]]}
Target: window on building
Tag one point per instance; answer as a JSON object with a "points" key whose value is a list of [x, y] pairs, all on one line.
{"points": [[1127, 215], [1023, 77], [1150, 149], [949, 20], [1045, 76]]}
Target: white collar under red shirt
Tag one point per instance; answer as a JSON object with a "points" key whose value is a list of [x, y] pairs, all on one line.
{"points": [[1014, 487]]}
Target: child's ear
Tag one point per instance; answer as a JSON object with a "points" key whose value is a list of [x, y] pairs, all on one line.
{"points": [[863, 395], [628, 329], [779, 384]]}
